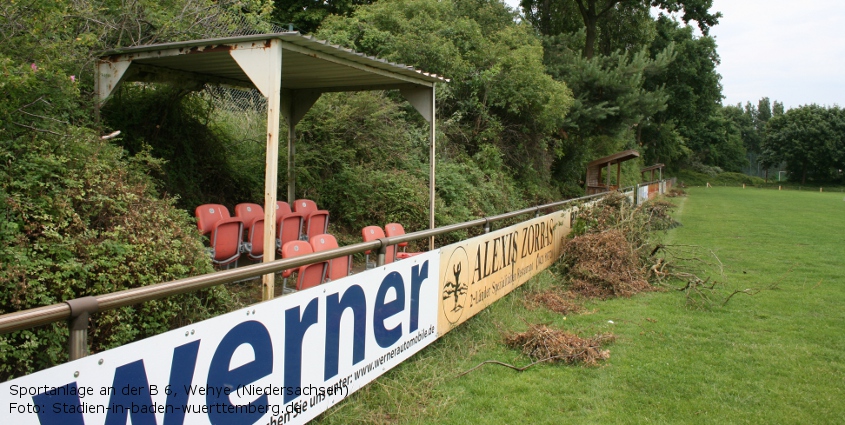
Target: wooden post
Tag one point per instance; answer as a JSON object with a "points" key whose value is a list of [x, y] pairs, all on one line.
{"points": [[271, 165], [618, 175]]}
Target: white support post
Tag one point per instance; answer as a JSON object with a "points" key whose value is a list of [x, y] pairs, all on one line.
{"points": [[423, 100], [291, 194], [432, 154]]}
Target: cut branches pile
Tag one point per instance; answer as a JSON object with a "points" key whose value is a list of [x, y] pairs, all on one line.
{"points": [[612, 247], [691, 269], [543, 343], [604, 265]]}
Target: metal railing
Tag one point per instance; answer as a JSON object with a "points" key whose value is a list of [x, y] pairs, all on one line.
{"points": [[78, 310]]}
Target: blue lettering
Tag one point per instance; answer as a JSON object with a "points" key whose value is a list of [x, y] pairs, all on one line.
{"points": [[181, 375], [219, 376], [48, 416], [354, 299], [130, 387], [386, 337], [418, 276], [295, 328]]}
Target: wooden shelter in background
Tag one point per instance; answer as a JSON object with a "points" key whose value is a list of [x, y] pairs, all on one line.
{"points": [[653, 168], [596, 183]]}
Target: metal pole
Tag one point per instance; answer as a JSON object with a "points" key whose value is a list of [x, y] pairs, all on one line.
{"points": [[382, 253], [80, 311], [431, 180]]}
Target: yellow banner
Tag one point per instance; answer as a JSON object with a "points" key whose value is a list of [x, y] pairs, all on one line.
{"points": [[476, 272]]}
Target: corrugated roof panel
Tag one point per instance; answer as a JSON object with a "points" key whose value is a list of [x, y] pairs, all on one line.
{"points": [[299, 68]]}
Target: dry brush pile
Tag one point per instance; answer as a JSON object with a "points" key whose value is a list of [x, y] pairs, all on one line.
{"points": [[546, 344], [613, 246]]}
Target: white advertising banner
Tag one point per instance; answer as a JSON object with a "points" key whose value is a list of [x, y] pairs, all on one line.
{"points": [[642, 194], [278, 362]]}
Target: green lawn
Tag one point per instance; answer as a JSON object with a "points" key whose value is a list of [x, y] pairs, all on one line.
{"points": [[774, 357]]}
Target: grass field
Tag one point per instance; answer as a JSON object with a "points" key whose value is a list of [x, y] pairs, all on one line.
{"points": [[774, 357]]}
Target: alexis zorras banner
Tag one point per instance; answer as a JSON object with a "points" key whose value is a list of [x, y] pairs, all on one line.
{"points": [[476, 272]]}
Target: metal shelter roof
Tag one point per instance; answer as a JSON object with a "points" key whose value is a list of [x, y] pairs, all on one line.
{"points": [[291, 71], [307, 63]]}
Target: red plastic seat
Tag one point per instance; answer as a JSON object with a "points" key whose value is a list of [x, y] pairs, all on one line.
{"points": [[304, 206], [371, 233], [282, 207], [316, 223], [396, 229], [338, 267], [253, 219], [225, 233], [309, 275], [288, 228]]}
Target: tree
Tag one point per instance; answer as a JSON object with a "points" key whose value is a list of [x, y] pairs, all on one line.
{"points": [[594, 12], [307, 15], [693, 89], [719, 143], [499, 95], [777, 109], [810, 140], [764, 112]]}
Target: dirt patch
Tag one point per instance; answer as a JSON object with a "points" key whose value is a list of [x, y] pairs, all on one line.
{"points": [[541, 342]]}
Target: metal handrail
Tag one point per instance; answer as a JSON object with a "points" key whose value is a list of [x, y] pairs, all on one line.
{"points": [[26, 319]]}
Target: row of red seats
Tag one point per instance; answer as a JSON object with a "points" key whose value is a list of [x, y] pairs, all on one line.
{"points": [[314, 274], [371, 233], [229, 236], [311, 275], [300, 230]]}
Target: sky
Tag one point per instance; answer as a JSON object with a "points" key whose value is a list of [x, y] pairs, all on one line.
{"points": [[789, 51]]}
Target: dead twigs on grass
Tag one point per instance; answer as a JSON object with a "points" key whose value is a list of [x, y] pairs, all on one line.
{"points": [[553, 345], [518, 369], [542, 342], [694, 267]]}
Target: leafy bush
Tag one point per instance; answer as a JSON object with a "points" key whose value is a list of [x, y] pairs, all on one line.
{"points": [[198, 165], [693, 178], [80, 219]]}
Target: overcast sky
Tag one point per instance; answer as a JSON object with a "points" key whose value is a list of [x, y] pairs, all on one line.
{"points": [[790, 51]]}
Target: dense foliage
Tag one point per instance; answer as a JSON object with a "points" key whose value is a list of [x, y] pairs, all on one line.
{"points": [[810, 140], [499, 97], [81, 219]]}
